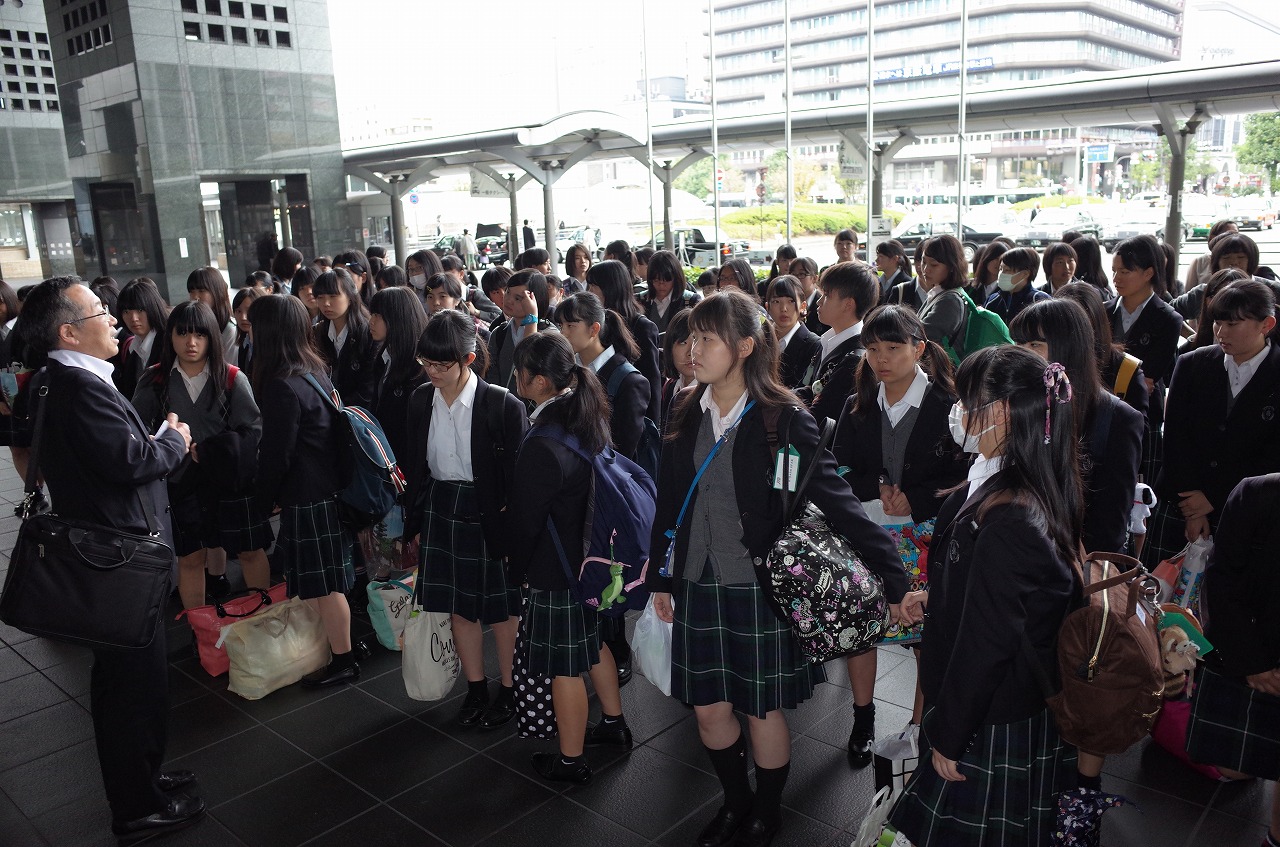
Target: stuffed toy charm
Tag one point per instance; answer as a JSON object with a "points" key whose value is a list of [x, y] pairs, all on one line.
{"points": [[1179, 655]]}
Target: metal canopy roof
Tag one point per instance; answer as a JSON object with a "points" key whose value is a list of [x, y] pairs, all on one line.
{"points": [[1124, 98]]}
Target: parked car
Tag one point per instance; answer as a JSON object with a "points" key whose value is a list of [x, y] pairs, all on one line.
{"points": [[1253, 213], [568, 237], [1137, 220], [1051, 223], [493, 249], [444, 246], [689, 242], [1202, 211], [909, 234]]}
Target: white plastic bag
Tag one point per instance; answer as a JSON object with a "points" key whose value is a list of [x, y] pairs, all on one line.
{"points": [[430, 665], [274, 648], [651, 648]]}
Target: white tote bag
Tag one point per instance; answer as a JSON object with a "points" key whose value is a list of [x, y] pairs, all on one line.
{"points": [[274, 648], [651, 648], [430, 664]]}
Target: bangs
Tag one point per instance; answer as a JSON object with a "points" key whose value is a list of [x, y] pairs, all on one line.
{"points": [[714, 315], [193, 316], [1029, 326], [326, 284], [892, 325], [450, 335], [1242, 301]]}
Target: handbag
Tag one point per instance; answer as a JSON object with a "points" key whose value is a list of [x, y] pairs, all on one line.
{"points": [[430, 666], [651, 648], [535, 718], [274, 648], [1181, 575], [207, 623], [814, 580], [81, 582], [390, 604]]}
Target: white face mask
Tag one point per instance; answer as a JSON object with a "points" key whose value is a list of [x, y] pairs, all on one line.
{"points": [[955, 420], [1005, 282], [418, 281]]}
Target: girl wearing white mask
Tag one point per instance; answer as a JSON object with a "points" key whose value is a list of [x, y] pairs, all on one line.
{"points": [[420, 267], [1015, 292]]}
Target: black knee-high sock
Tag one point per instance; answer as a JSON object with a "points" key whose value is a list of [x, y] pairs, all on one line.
{"points": [[731, 766], [769, 785]]}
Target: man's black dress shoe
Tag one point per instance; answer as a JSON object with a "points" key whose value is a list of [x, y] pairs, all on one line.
{"points": [[173, 780], [722, 829], [181, 811], [756, 833]]}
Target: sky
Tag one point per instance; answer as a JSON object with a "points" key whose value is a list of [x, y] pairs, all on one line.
{"points": [[498, 63]]}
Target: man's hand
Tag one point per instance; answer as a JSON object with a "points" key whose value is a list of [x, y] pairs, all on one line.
{"points": [[180, 428]]}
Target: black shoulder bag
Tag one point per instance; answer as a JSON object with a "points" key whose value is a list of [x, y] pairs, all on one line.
{"points": [[80, 582]]}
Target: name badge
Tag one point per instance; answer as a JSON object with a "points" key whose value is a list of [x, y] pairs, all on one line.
{"points": [[790, 471]]}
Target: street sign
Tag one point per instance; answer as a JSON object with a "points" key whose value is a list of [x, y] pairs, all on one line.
{"points": [[1095, 153], [880, 226], [760, 189], [852, 162], [483, 185], [413, 199]]}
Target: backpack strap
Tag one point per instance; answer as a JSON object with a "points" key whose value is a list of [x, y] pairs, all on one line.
{"points": [[1128, 367], [232, 373], [619, 374], [334, 399], [497, 400]]}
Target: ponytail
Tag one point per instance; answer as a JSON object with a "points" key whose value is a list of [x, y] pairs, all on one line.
{"points": [[614, 333], [584, 411]]}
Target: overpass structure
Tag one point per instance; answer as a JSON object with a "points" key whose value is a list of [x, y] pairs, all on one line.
{"points": [[1172, 99]]}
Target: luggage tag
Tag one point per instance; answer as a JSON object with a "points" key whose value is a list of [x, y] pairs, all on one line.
{"points": [[790, 471]]}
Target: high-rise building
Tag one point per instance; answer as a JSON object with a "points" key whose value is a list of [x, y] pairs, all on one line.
{"points": [[36, 238], [197, 131], [915, 45]]}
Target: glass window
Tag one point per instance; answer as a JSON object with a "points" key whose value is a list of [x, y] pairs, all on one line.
{"points": [[259, 11], [43, 38], [47, 72], [190, 6], [51, 105], [23, 35], [262, 37], [281, 14], [218, 32], [12, 231], [18, 106], [213, 7], [35, 105], [192, 30], [235, 9], [283, 39], [239, 35]]}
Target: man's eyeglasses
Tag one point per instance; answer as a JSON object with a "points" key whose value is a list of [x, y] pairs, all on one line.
{"points": [[103, 313]]}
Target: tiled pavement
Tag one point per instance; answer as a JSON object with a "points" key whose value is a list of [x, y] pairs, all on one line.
{"points": [[365, 765]]}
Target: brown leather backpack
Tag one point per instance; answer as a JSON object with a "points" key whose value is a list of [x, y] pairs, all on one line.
{"points": [[1108, 660]]}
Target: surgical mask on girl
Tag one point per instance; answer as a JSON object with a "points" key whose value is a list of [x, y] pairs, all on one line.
{"points": [[1005, 282], [418, 281], [955, 420]]}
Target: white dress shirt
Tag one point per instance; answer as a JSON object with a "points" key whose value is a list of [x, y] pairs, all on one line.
{"points": [[786, 339], [195, 384], [449, 436], [1127, 318], [600, 361], [832, 339], [142, 346], [720, 423], [980, 472], [1240, 374], [100, 368], [338, 338], [912, 399]]}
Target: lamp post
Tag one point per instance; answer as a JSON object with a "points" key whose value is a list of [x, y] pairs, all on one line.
{"points": [[786, 126]]}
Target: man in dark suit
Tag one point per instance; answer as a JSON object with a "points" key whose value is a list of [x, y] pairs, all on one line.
{"points": [[103, 466], [849, 291], [527, 233]]}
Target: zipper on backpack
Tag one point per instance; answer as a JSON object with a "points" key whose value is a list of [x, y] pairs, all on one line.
{"points": [[1106, 613]]}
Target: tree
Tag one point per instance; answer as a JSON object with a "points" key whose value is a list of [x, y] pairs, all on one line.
{"points": [[1261, 146], [697, 178]]}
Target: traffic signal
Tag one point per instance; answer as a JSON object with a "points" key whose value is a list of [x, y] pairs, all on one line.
{"points": [[719, 179]]}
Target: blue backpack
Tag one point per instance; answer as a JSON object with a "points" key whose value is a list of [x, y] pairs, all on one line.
{"points": [[610, 576], [649, 448], [376, 481]]}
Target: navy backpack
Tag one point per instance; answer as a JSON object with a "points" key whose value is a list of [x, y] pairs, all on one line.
{"points": [[609, 578], [376, 481]]}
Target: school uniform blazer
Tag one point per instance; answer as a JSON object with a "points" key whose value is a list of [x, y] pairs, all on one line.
{"points": [[645, 333], [98, 456], [887, 284], [1007, 304], [1241, 591], [303, 456], [759, 504], [836, 374], [1207, 449], [811, 321], [499, 337], [905, 294], [629, 406], [1153, 338], [356, 371], [933, 460], [1110, 478], [554, 482], [129, 367], [492, 464], [797, 357], [391, 408], [687, 300], [990, 584]]}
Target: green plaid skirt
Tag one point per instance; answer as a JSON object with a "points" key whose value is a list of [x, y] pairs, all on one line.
{"points": [[561, 636], [240, 529], [1234, 726], [456, 573], [1013, 774], [315, 550], [728, 646]]}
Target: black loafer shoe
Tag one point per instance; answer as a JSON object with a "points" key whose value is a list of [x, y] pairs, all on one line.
{"points": [[473, 709], [860, 744], [335, 673], [181, 811], [756, 833], [618, 733], [722, 829], [173, 780], [217, 587], [550, 766], [501, 712], [624, 673]]}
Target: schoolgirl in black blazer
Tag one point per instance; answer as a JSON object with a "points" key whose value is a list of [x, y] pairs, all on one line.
{"points": [[602, 343], [677, 364], [396, 322], [143, 312], [666, 280], [353, 369], [784, 300], [612, 283], [562, 636]]}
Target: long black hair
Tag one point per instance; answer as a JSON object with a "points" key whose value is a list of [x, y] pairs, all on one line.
{"points": [[743, 275], [677, 333], [427, 260], [356, 262], [616, 287], [405, 319], [582, 412], [1089, 298], [1042, 477], [1089, 264], [338, 281], [282, 341], [449, 336], [894, 324], [585, 307], [210, 280], [141, 294], [1063, 325], [734, 315], [186, 318], [1218, 280], [785, 251], [1142, 252]]}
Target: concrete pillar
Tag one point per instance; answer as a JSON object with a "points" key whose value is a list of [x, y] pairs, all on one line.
{"points": [[397, 219], [515, 238], [549, 214], [666, 204]]}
